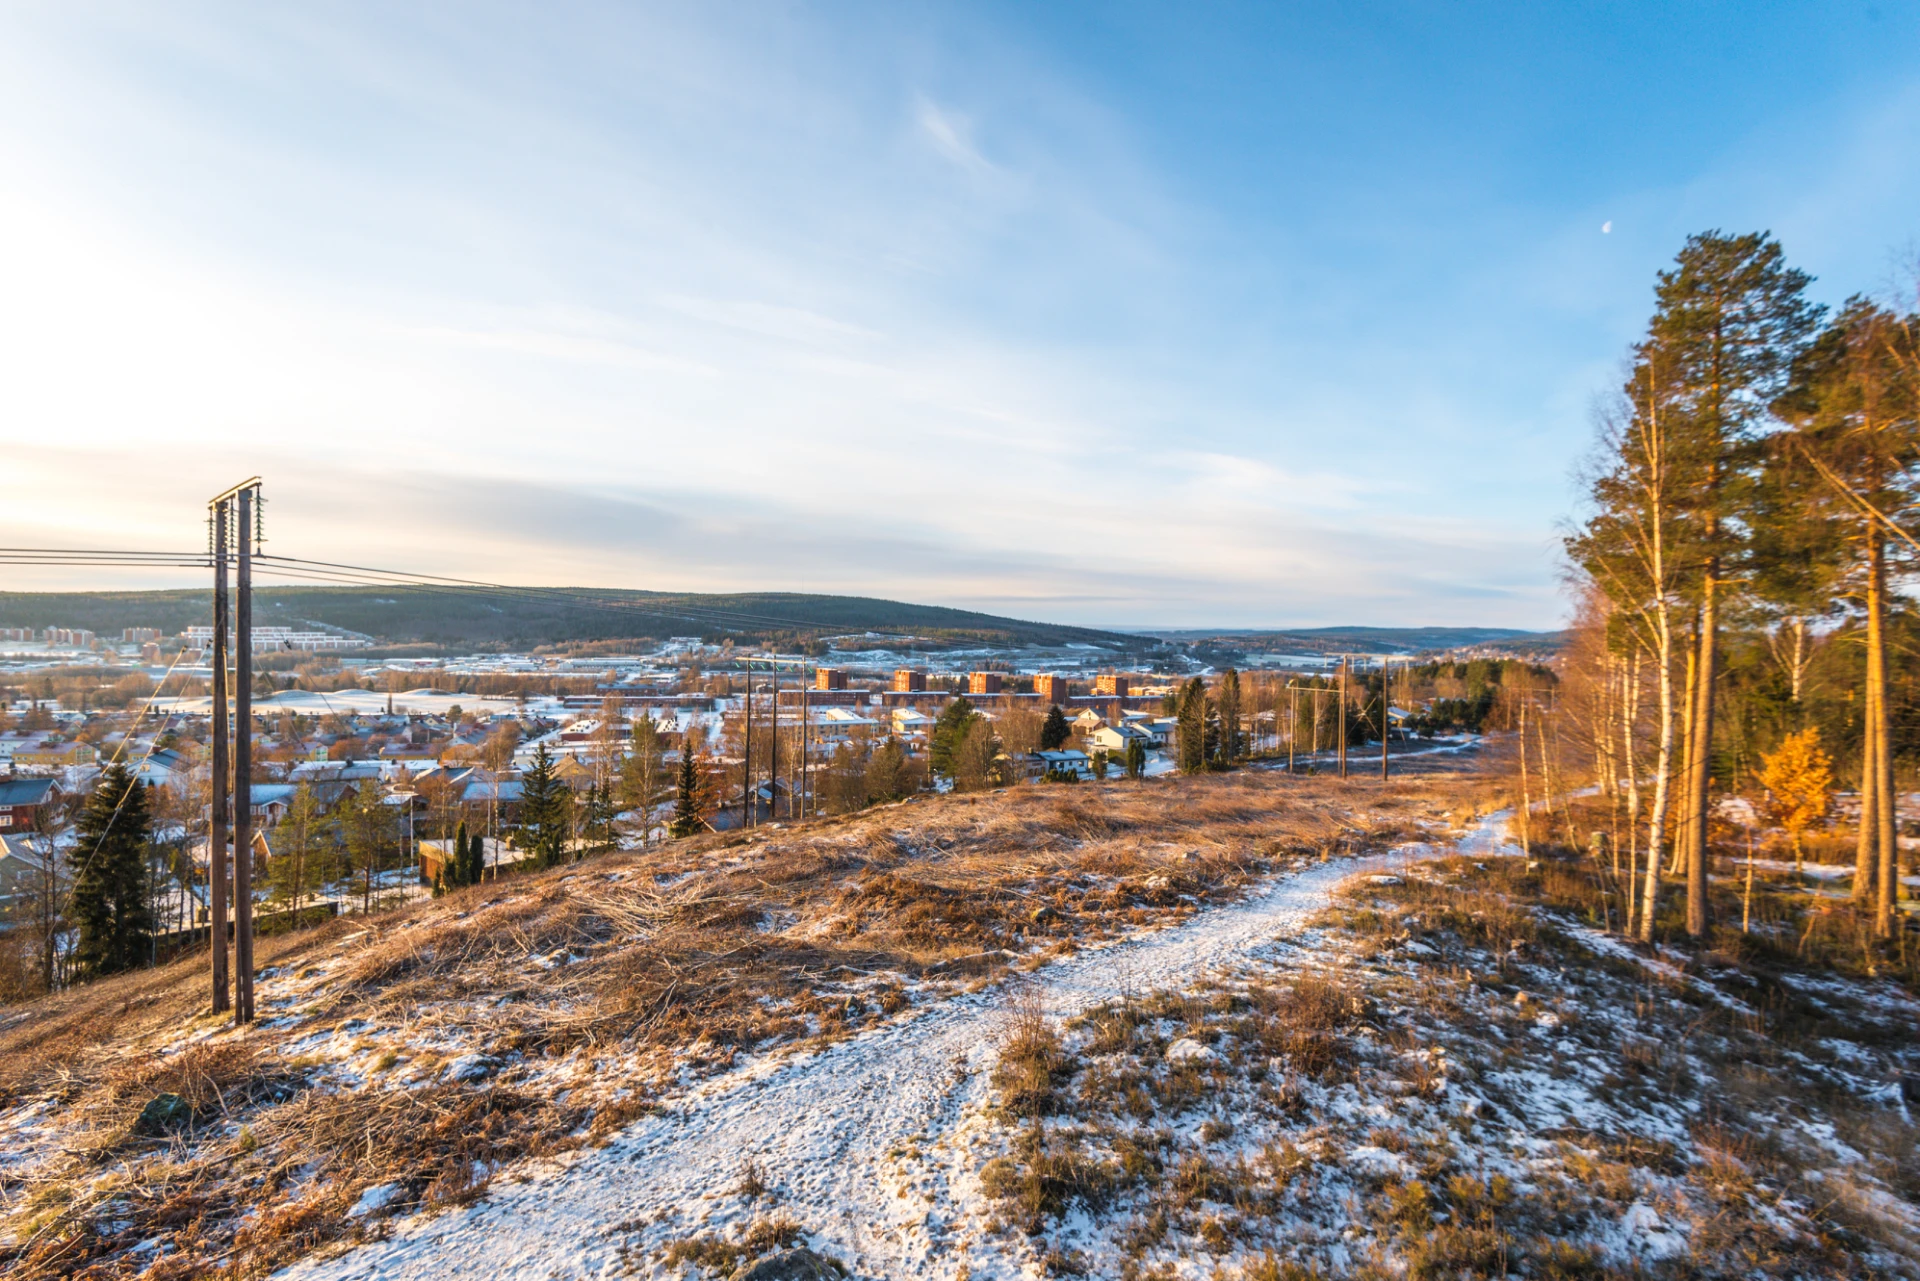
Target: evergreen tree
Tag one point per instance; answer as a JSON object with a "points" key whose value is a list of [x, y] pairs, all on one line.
{"points": [[974, 757], [1055, 733], [543, 811], [949, 731], [1232, 742], [1136, 758], [476, 858], [456, 870], [112, 921], [686, 802], [890, 772], [1193, 727]]}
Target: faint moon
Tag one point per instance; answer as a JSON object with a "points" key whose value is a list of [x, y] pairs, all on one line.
{"points": [[1606, 228]]}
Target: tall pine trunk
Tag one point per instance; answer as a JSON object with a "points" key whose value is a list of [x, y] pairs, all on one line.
{"points": [[1633, 776], [1886, 842], [1701, 773], [1662, 778], [1681, 829], [1866, 849]]}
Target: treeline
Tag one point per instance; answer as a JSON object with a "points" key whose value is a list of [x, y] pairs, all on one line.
{"points": [[1739, 559]]}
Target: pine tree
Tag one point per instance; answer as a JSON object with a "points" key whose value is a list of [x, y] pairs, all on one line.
{"points": [[891, 773], [1055, 733], [1730, 323], [112, 921], [949, 731], [686, 803], [1855, 405]]}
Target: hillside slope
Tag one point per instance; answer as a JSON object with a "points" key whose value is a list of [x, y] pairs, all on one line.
{"points": [[452, 616]]}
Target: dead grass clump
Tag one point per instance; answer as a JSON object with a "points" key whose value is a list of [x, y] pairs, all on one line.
{"points": [[1033, 1063], [1301, 1023], [1048, 1172]]}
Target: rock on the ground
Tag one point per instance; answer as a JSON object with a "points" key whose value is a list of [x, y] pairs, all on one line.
{"points": [[792, 1265], [164, 1114]]}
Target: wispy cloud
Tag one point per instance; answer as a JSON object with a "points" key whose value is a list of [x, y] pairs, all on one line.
{"points": [[951, 135]]}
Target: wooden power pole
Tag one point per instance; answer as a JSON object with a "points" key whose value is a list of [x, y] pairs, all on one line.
{"points": [[773, 745], [233, 516], [243, 759], [1386, 716], [1341, 717], [746, 754], [217, 825]]}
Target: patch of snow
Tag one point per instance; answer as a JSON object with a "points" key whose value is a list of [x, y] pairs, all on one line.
{"points": [[374, 1199], [1188, 1050]]}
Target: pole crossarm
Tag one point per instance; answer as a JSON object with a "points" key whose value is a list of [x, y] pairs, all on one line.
{"points": [[252, 482]]}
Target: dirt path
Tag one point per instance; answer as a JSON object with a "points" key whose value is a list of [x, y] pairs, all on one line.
{"points": [[823, 1128]]}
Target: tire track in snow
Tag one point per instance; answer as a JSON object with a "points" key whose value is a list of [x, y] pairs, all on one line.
{"points": [[821, 1126]]}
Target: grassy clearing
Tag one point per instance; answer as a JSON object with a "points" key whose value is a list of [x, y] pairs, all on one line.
{"points": [[404, 1062], [1456, 1076]]}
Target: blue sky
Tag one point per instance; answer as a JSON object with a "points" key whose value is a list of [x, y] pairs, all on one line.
{"points": [[1183, 315]]}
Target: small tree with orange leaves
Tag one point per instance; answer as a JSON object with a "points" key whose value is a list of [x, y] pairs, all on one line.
{"points": [[1798, 776]]}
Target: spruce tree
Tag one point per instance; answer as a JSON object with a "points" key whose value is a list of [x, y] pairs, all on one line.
{"points": [[476, 858], [1232, 746], [1193, 729], [1055, 733], [113, 923], [686, 801], [457, 859], [543, 811]]}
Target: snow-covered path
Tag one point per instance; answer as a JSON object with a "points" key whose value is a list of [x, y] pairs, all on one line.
{"points": [[824, 1129]]}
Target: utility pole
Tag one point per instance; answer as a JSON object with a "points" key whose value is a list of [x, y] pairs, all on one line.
{"points": [[1293, 721], [1386, 717], [746, 755], [243, 761], [772, 749], [1342, 717], [233, 513], [807, 763], [217, 827]]}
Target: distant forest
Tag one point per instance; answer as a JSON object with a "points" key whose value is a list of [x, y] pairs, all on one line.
{"points": [[459, 617], [1371, 640]]}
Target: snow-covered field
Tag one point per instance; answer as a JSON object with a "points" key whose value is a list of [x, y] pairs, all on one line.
{"points": [[822, 1132]]}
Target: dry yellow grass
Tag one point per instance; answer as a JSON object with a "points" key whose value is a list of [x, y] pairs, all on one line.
{"points": [[585, 989]]}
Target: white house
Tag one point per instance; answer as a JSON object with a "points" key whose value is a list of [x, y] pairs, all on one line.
{"points": [[908, 722], [837, 724], [1066, 761], [1114, 739]]}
